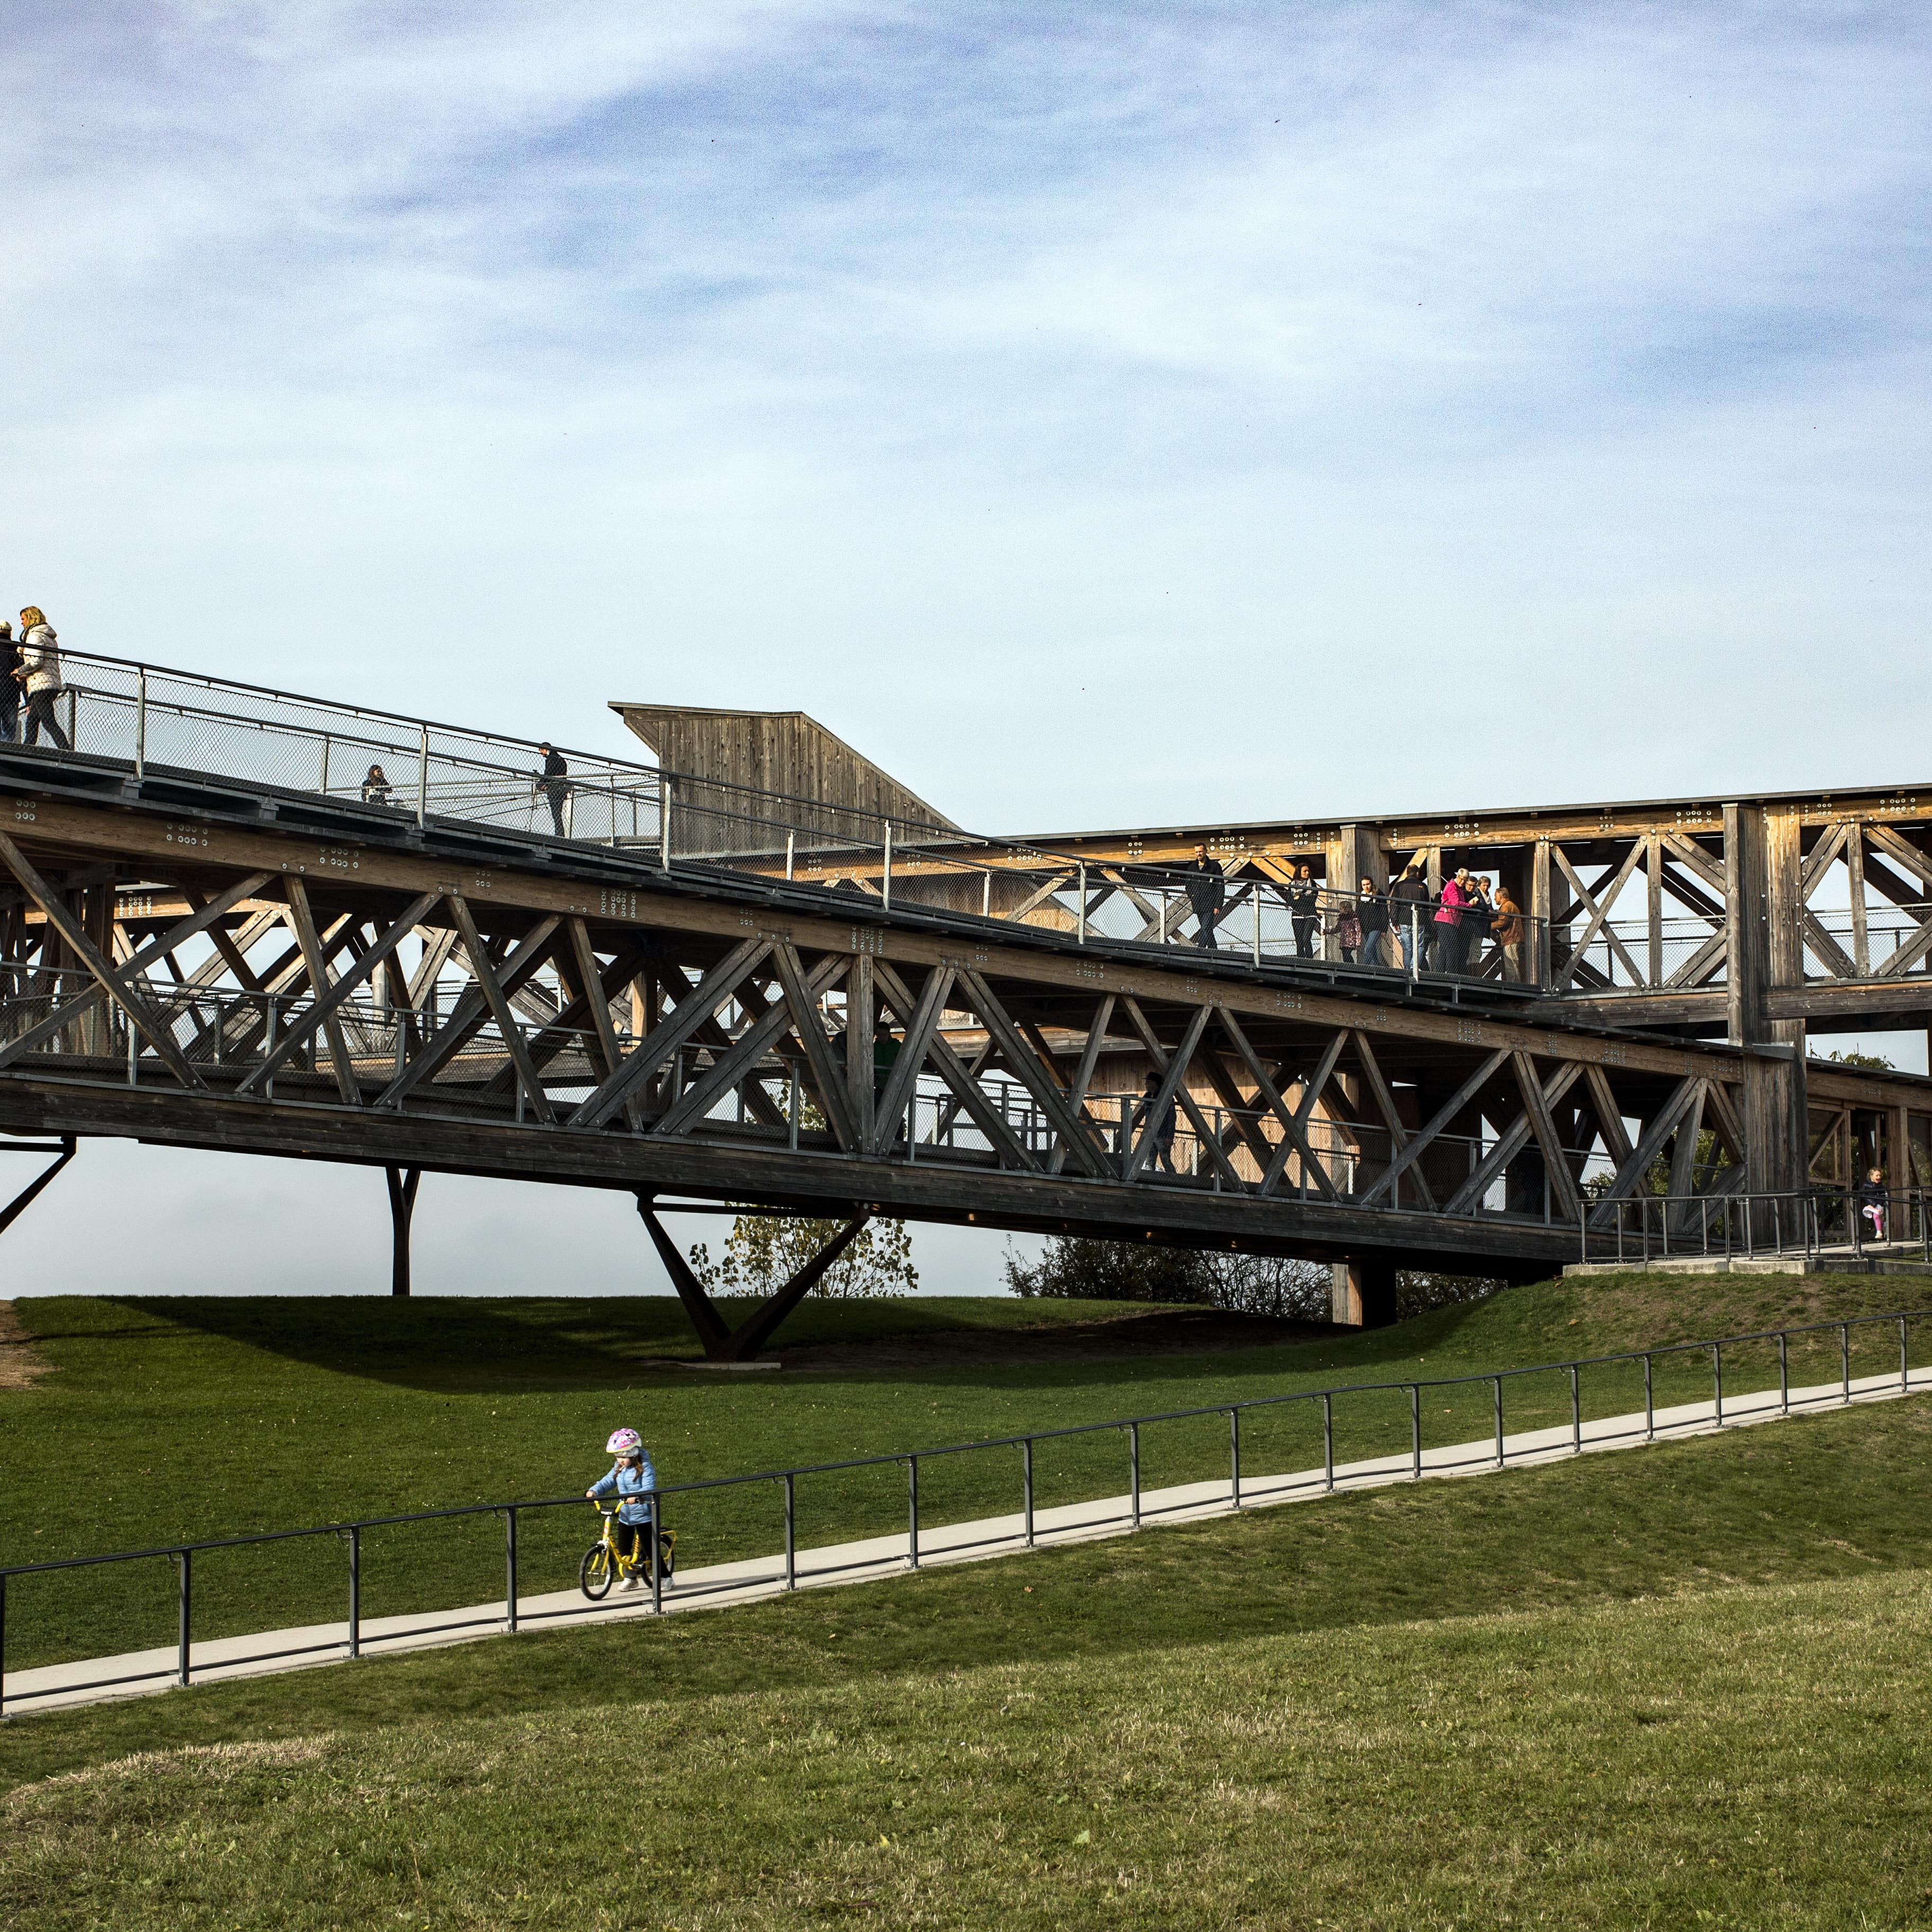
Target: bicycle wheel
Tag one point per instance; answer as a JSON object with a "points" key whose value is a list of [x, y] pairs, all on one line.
{"points": [[594, 1572], [667, 1554]]}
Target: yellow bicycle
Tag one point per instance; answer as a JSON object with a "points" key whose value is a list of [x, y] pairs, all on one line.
{"points": [[603, 1563]]}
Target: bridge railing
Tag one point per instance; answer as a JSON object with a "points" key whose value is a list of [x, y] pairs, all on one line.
{"points": [[406, 769], [1819, 1225], [1119, 1475]]}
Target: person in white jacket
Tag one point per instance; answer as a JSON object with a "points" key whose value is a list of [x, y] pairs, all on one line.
{"points": [[40, 671]]}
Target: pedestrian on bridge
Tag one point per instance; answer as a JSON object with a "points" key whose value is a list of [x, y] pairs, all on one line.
{"points": [[1407, 898], [1346, 925], [1304, 909], [1161, 1126], [553, 784], [1507, 926], [40, 671], [1448, 924], [1372, 912], [10, 685], [1206, 885]]}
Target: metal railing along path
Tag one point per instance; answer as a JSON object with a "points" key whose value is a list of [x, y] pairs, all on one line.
{"points": [[1244, 1488], [1817, 1225]]}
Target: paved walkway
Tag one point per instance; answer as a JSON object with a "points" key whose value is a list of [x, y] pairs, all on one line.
{"points": [[136, 1673]]}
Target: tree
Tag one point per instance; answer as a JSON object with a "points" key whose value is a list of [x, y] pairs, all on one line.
{"points": [[1075, 1268], [763, 1251]]}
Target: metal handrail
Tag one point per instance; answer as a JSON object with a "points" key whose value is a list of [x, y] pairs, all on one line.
{"points": [[183, 1554]]}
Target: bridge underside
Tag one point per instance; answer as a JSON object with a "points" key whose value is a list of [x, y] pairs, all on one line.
{"points": [[190, 964]]}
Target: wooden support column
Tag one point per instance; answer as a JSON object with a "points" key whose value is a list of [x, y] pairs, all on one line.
{"points": [[1363, 1294], [1763, 926], [1542, 909], [1354, 853], [402, 1183]]}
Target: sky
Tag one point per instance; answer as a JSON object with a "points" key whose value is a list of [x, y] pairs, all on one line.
{"points": [[1099, 416]]}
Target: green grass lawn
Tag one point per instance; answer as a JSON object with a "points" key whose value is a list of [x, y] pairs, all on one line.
{"points": [[1684, 1685], [186, 1420]]}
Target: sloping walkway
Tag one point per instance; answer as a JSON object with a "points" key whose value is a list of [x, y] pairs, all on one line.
{"points": [[60, 1686]]}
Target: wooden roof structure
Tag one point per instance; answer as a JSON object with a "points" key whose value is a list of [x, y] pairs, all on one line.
{"points": [[784, 751]]}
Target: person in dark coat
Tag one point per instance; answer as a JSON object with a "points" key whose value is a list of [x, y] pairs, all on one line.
{"points": [[553, 784], [1208, 894], [1372, 911], [1304, 909], [1408, 904], [1161, 1126]]}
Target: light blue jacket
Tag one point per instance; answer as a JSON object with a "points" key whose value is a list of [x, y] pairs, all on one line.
{"points": [[631, 1484]]}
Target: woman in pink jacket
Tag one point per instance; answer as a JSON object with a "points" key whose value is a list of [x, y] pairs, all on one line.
{"points": [[1448, 923]]}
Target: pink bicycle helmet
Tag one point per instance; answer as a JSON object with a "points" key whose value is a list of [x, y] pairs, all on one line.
{"points": [[624, 1442]]}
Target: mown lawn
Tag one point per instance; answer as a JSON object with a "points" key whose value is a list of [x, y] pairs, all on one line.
{"points": [[168, 1420], [1678, 1686]]}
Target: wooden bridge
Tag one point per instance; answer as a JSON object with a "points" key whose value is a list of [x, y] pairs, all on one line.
{"points": [[195, 959]]}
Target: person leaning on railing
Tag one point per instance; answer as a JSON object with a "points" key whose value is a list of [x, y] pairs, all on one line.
{"points": [[40, 671]]}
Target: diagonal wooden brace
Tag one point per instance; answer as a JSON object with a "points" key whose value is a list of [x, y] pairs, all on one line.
{"points": [[740, 1344]]}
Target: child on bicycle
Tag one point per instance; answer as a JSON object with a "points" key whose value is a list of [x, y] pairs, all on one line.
{"points": [[633, 1481]]}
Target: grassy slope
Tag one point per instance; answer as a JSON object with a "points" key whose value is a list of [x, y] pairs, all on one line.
{"points": [[1634, 1690], [239, 1415]]}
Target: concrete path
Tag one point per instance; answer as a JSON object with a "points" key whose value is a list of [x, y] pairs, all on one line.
{"points": [[136, 1672]]}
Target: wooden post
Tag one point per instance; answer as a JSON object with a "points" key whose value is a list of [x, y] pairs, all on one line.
{"points": [[1354, 853], [402, 1183], [861, 1022], [1541, 908], [1363, 1294], [1653, 865]]}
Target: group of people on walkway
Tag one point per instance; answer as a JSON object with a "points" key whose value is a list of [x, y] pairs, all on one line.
{"points": [[551, 784], [1408, 925], [30, 677]]}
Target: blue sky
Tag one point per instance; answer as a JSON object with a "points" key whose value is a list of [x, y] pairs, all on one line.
{"points": [[1098, 415]]}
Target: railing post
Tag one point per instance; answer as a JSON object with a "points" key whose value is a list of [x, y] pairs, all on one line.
{"points": [[1081, 927], [912, 1512], [510, 1565], [886, 877], [656, 1554], [3, 1648], [422, 781], [664, 823], [791, 1534], [1718, 1381], [1235, 1453], [1134, 1470], [1904, 1381], [1498, 1381], [141, 722], [1415, 1430], [1649, 1406], [355, 1591], [1783, 1373], [791, 854], [1845, 1357], [1576, 1414], [183, 1663], [1026, 1485], [1327, 1440]]}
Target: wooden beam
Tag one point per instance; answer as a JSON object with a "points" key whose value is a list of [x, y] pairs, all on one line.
{"points": [[920, 1029], [484, 972], [1438, 1121], [148, 1024], [1021, 1063], [657, 1046], [326, 1006]]}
